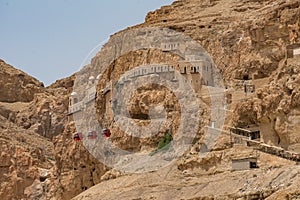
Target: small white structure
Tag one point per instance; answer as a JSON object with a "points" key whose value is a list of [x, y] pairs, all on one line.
{"points": [[73, 98], [74, 104], [213, 124], [293, 50], [296, 51], [98, 77], [91, 80]]}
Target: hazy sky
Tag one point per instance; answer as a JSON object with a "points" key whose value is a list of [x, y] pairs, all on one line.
{"points": [[49, 39]]}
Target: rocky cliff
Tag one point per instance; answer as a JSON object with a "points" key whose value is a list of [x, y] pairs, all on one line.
{"points": [[247, 40], [39, 159], [16, 85]]}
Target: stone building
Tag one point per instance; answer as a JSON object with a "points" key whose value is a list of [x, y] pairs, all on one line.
{"points": [[78, 103], [293, 50], [244, 163]]}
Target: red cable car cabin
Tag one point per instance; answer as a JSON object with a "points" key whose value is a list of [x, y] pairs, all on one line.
{"points": [[106, 133], [77, 136], [92, 135]]}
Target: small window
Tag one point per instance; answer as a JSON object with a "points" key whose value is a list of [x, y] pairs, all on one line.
{"points": [[253, 165], [42, 179], [246, 77]]}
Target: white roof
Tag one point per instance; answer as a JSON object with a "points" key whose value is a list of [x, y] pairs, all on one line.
{"points": [[98, 77], [73, 93], [91, 78]]}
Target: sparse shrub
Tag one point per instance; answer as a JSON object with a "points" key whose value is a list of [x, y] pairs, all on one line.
{"points": [[164, 144]]}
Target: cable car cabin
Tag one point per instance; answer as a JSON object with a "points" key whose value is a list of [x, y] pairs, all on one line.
{"points": [[106, 133], [77, 137], [92, 135]]}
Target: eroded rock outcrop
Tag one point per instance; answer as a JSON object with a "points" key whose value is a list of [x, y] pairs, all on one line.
{"points": [[16, 86], [247, 41], [39, 158]]}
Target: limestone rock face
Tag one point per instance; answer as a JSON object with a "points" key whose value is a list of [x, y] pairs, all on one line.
{"points": [[165, 184], [39, 159], [247, 41], [276, 107], [76, 169], [16, 86], [26, 164], [141, 101]]}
